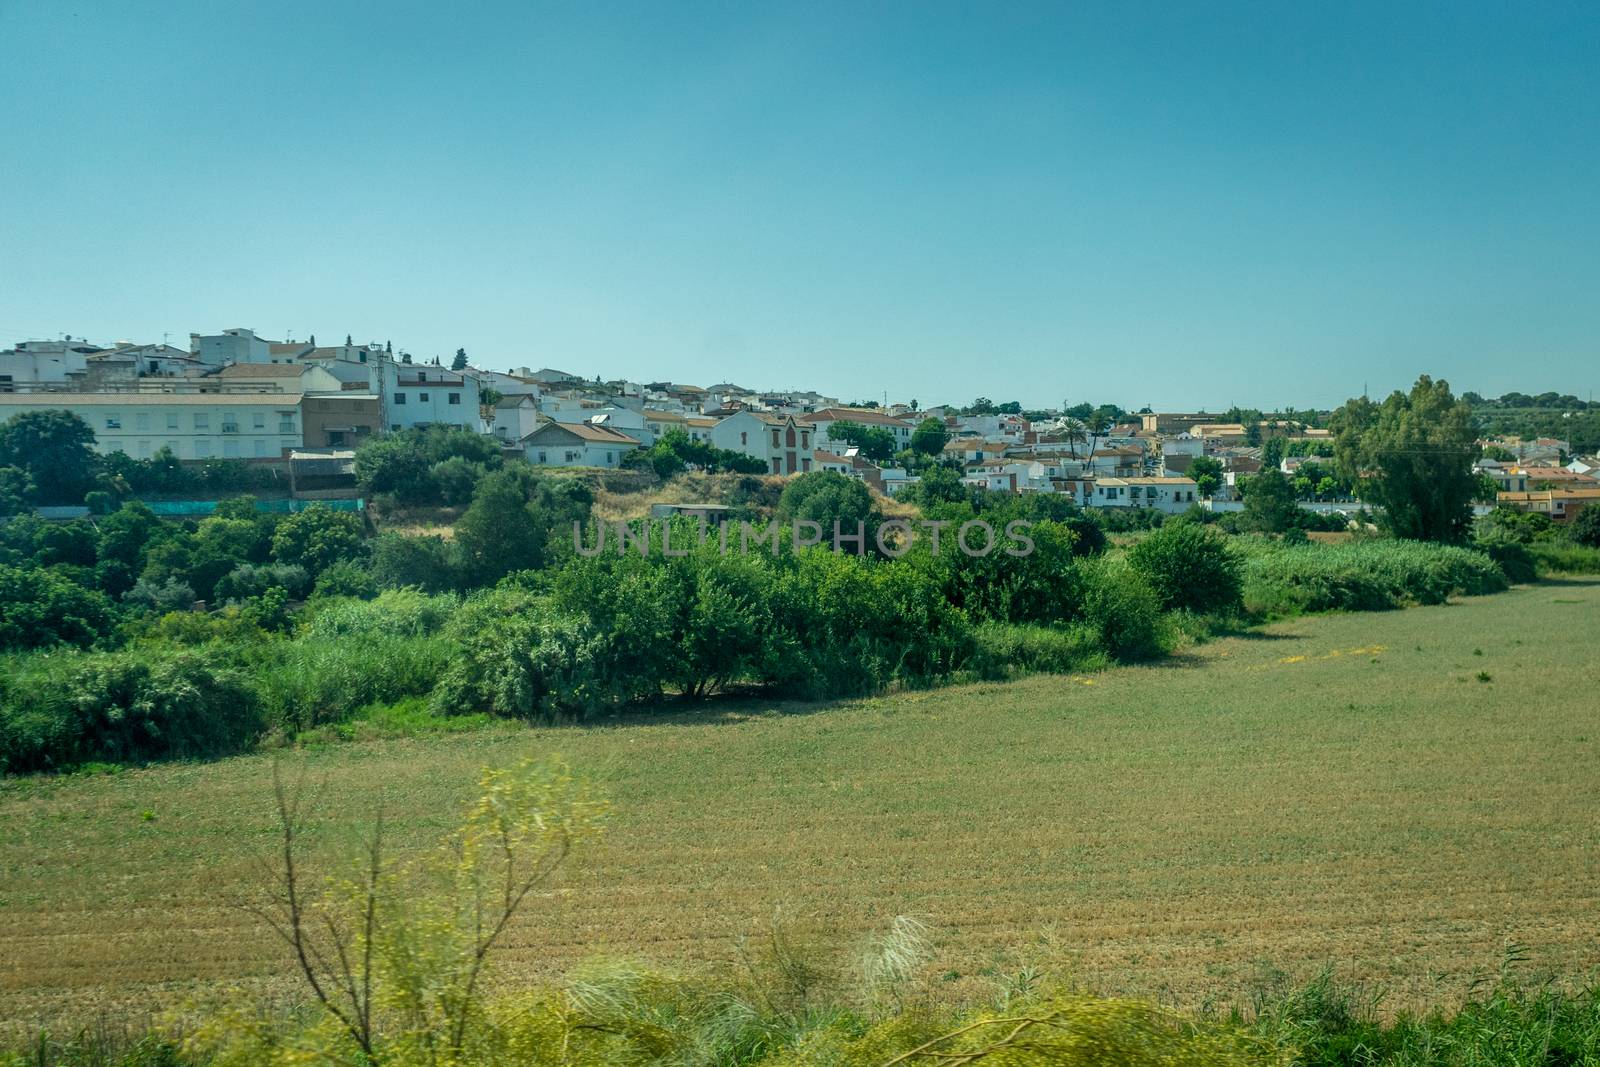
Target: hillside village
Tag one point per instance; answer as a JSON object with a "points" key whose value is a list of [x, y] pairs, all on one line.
{"points": [[305, 407]]}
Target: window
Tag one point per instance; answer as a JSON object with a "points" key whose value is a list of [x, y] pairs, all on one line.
{"points": [[114, 422], [144, 448], [544, 457], [141, 421], [258, 421], [775, 469], [230, 448], [774, 437], [611, 457], [286, 422], [261, 447], [422, 398], [805, 438], [789, 436], [172, 421], [202, 420], [399, 400], [455, 398], [230, 423], [202, 448], [422, 375]]}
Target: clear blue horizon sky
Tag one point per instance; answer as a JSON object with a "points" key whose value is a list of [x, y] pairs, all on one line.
{"points": [[1183, 205]]}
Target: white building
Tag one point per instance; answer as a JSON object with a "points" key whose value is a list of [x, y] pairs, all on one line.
{"points": [[1171, 495], [257, 425], [578, 444], [275, 377], [238, 345], [899, 429], [43, 361], [423, 394], [515, 417], [784, 444]]}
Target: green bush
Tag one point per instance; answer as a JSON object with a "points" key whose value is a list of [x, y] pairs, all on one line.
{"points": [[1373, 575], [1120, 607], [1512, 557], [1556, 558], [129, 706], [1190, 567], [1005, 648], [395, 612], [314, 681], [39, 608], [520, 659]]}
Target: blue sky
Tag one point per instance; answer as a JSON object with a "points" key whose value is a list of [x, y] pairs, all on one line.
{"points": [[1161, 203]]}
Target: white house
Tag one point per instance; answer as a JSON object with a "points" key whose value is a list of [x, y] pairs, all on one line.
{"points": [[821, 420], [1171, 495], [238, 345], [43, 361], [515, 417], [578, 444], [782, 442], [273, 377], [253, 425], [422, 394]]}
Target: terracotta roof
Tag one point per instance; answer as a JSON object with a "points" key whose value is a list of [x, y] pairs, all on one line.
{"points": [[589, 432], [861, 415]]}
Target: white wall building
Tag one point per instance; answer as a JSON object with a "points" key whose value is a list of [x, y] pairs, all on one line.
{"points": [[194, 425], [578, 444], [43, 361], [784, 444], [425, 394], [1171, 495], [238, 345]]}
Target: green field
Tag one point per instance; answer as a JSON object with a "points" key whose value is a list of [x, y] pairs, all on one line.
{"points": [[1397, 794]]}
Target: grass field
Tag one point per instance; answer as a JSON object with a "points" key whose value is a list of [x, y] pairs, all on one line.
{"points": [[1396, 794]]}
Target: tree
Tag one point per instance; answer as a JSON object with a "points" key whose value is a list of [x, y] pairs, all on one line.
{"points": [[54, 449], [39, 607], [1190, 567], [1412, 455], [875, 443], [1585, 528], [1272, 452], [317, 538], [460, 362], [515, 518], [929, 437], [16, 489], [1207, 474], [828, 497], [1269, 505]]}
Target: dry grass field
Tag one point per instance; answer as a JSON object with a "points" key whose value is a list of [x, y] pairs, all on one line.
{"points": [[1394, 794]]}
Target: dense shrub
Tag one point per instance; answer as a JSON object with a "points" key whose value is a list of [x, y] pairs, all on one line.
{"points": [[1556, 558], [1190, 568], [1002, 648], [317, 538], [142, 704], [1119, 605], [519, 658], [1512, 557], [427, 563], [1364, 575], [401, 613], [313, 681], [39, 608], [248, 580]]}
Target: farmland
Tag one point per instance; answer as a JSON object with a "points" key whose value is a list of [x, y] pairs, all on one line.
{"points": [[1396, 794]]}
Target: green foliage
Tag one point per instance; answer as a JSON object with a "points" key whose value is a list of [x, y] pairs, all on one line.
{"points": [[1190, 567], [401, 613], [427, 465], [55, 451], [1412, 455], [129, 706], [427, 563], [251, 580], [517, 519], [1207, 474], [317, 538], [1119, 605], [312, 682], [1003, 649], [1269, 504], [1372, 575], [875, 443], [40, 608], [929, 437], [1584, 527], [346, 578], [1556, 558], [675, 451], [832, 501]]}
